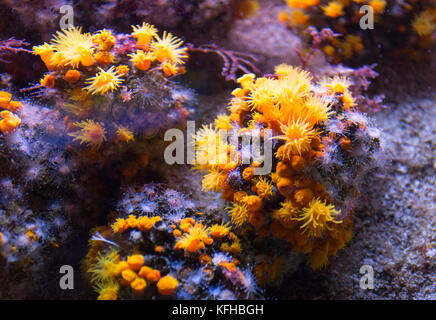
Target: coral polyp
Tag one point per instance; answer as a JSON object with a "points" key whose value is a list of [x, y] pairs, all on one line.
{"points": [[217, 150], [193, 258], [407, 25], [90, 133], [316, 217], [113, 88], [9, 121], [169, 47], [144, 35]]}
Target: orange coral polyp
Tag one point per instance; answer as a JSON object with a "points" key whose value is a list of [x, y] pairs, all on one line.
{"points": [[86, 59], [246, 81], [302, 4], [253, 203], [122, 70], [169, 47], [74, 47], [219, 231], [303, 196], [45, 52], [144, 35], [317, 217], [128, 275], [264, 188], [104, 39], [194, 245], [104, 81], [119, 226], [229, 266], [5, 98], [142, 60], [167, 285], [333, 9], [138, 285], [104, 58], [144, 271], [256, 219], [9, 122], [239, 214], [48, 81], [153, 276], [124, 135], [72, 76], [297, 135], [169, 69]]}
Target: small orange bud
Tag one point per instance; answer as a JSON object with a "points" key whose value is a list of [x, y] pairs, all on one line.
{"points": [[72, 76], [128, 275], [283, 169], [238, 195]]}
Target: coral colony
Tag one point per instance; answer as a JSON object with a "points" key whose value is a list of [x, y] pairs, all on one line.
{"points": [[274, 175], [411, 24]]}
